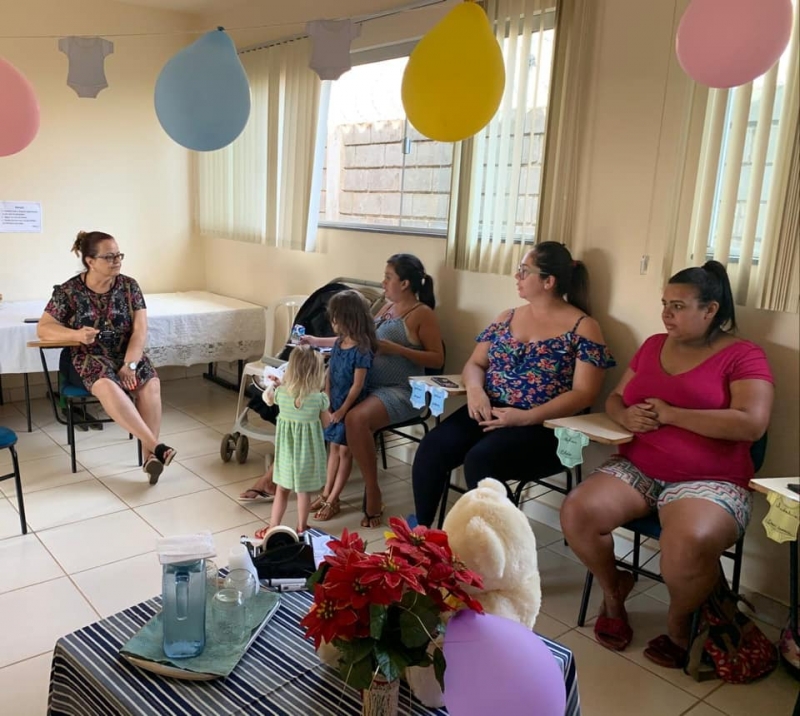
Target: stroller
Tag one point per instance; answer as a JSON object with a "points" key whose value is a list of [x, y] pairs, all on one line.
{"points": [[313, 316]]}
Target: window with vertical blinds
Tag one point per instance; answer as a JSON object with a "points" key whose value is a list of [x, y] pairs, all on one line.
{"points": [[259, 188], [501, 167], [745, 209]]}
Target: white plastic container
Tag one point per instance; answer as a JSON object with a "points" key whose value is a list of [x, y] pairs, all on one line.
{"points": [[239, 558]]}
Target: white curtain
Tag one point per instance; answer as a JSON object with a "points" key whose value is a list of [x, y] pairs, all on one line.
{"points": [[499, 171], [259, 188], [745, 192]]}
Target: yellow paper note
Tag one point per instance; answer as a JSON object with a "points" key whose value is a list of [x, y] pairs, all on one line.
{"points": [[783, 518]]}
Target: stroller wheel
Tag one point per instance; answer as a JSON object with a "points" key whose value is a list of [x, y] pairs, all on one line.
{"points": [[242, 448], [227, 447]]}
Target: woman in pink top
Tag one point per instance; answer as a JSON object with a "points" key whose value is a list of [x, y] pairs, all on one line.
{"points": [[696, 398]]}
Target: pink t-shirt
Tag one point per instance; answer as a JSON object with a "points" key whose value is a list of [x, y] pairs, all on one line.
{"points": [[673, 454]]}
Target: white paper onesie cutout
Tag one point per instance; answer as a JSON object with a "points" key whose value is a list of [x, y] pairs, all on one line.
{"points": [[330, 40], [86, 57]]}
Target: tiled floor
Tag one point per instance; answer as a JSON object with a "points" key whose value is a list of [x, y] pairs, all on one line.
{"points": [[91, 553]]}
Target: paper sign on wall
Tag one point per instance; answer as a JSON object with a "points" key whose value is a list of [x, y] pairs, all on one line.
{"points": [[20, 217]]}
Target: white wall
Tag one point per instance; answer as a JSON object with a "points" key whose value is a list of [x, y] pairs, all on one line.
{"points": [[101, 163], [624, 209]]}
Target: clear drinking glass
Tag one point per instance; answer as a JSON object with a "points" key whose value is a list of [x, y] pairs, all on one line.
{"points": [[244, 581], [228, 618]]}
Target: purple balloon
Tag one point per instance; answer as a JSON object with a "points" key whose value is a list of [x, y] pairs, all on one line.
{"points": [[499, 666]]}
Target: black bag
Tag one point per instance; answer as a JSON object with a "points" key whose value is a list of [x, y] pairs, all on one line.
{"points": [[289, 561]]}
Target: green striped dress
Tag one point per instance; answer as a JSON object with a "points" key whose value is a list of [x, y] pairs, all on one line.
{"points": [[300, 457]]}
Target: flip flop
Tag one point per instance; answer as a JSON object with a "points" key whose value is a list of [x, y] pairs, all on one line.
{"points": [[613, 632], [665, 652], [260, 496]]}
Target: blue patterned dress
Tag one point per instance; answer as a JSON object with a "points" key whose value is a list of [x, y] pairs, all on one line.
{"points": [[342, 366]]}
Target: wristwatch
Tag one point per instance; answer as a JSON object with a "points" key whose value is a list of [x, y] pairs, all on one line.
{"points": [[132, 365]]}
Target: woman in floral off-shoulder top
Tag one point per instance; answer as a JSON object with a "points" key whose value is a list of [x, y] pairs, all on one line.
{"points": [[543, 360]]}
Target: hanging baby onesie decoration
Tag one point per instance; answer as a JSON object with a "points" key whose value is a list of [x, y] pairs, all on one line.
{"points": [[330, 40], [86, 57]]}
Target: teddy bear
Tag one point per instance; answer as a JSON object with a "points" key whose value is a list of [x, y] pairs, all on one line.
{"points": [[492, 537]]}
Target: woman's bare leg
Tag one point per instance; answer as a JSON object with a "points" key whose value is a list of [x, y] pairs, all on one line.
{"points": [[591, 512], [694, 534], [361, 423], [123, 412], [148, 403]]}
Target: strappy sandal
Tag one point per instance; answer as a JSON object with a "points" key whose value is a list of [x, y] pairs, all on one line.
{"points": [[328, 510], [371, 521], [155, 464], [318, 502]]}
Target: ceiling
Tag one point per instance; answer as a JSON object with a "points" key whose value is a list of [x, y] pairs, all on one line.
{"points": [[195, 6]]}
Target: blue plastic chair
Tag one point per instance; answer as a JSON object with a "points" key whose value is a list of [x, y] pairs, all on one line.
{"points": [[8, 439]]}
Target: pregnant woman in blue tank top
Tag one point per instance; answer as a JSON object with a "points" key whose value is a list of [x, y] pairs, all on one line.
{"points": [[409, 341]]}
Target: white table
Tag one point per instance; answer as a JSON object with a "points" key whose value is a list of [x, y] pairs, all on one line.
{"points": [[184, 328]]}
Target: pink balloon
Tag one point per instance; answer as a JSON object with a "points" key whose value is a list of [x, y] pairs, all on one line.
{"points": [[499, 666], [19, 110], [726, 43]]}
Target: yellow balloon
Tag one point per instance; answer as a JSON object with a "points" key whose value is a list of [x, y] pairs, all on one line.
{"points": [[455, 76]]}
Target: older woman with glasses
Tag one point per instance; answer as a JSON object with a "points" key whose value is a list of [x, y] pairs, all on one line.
{"points": [[105, 312], [543, 360]]}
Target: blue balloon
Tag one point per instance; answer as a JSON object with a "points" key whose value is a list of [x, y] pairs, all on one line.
{"points": [[499, 666], [202, 95]]}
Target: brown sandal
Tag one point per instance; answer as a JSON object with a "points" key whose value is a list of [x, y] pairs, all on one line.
{"points": [[318, 502], [328, 510]]}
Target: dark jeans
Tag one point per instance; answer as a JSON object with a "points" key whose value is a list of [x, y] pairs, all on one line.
{"points": [[505, 454]]}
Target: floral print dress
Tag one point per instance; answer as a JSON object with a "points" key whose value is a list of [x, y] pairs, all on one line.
{"points": [[74, 305], [526, 374]]}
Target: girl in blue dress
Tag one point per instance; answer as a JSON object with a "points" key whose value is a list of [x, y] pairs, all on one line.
{"points": [[351, 358]]}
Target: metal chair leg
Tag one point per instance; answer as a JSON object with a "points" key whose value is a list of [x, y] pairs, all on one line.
{"points": [[71, 436], [18, 484], [139, 451], [587, 593], [737, 564], [443, 503], [637, 543]]}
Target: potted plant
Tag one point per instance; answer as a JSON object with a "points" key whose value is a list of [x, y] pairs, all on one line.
{"points": [[384, 611]]}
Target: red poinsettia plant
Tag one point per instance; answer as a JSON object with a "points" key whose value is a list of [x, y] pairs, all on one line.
{"points": [[384, 610]]}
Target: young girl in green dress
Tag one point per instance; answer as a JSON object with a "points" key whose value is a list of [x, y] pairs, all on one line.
{"points": [[300, 459]]}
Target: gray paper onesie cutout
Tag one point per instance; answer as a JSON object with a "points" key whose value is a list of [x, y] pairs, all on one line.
{"points": [[330, 54], [86, 56]]}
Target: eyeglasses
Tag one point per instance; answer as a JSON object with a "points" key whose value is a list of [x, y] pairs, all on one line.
{"points": [[112, 258], [524, 271]]}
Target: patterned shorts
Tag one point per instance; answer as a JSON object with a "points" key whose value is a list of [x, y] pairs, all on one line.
{"points": [[737, 501]]}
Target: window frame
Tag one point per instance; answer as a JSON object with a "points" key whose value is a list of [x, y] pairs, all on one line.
{"points": [[367, 57]]}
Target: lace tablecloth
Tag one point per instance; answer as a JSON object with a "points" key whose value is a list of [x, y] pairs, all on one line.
{"points": [[184, 329]]}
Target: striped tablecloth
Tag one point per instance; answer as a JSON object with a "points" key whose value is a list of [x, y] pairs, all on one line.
{"points": [[280, 674]]}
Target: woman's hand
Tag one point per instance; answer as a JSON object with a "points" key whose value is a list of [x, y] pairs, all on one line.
{"points": [[505, 418], [663, 410], [478, 404], [86, 335], [128, 378], [640, 418]]}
